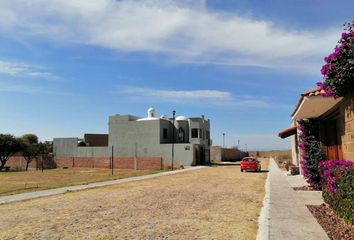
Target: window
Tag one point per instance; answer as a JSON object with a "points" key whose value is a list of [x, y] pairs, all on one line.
{"points": [[194, 132], [207, 134], [201, 133], [165, 135], [180, 135]]}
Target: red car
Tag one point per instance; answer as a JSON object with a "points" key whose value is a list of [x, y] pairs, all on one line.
{"points": [[250, 164]]}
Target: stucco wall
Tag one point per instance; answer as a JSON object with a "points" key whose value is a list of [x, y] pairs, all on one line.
{"points": [[125, 135], [65, 146], [219, 154], [93, 152], [200, 124], [294, 150], [132, 138]]}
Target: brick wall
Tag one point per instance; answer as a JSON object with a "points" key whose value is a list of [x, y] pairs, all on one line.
{"points": [[142, 163], [20, 163]]}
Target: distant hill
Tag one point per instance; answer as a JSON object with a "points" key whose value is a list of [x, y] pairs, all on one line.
{"points": [[278, 154]]}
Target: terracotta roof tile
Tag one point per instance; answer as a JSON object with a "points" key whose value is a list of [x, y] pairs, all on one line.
{"points": [[314, 92]]}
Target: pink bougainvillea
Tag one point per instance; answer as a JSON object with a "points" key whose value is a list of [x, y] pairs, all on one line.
{"points": [[310, 151], [337, 177], [338, 70]]}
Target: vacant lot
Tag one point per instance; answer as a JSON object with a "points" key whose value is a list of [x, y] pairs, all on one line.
{"points": [[18, 182], [212, 203]]}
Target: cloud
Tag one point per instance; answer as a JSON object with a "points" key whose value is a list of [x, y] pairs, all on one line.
{"points": [[172, 95], [184, 31], [20, 88], [205, 97], [21, 69]]}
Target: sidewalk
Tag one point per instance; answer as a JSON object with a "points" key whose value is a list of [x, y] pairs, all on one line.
{"points": [[55, 191], [289, 217]]}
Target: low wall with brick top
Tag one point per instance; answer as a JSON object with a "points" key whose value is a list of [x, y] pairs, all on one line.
{"points": [[142, 163], [19, 162]]}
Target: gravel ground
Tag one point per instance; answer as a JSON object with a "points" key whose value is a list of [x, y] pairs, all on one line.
{"points": [[212, 203], [335, 227]]}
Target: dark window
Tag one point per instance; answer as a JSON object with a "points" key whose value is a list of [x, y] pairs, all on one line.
{"points": [[194, 132], [200, 133], [165, 133], [207, 134], [180, 135]]}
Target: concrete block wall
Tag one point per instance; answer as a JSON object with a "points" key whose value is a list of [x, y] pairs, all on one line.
{"points": [[219, 154]]}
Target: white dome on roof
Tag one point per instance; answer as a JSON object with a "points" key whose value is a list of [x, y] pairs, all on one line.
{"points": [[181, 118], [150, 115], [151, 112]]}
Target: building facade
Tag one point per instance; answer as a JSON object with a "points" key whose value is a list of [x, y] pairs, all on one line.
{"points": [[335, 118], [131, 137]]}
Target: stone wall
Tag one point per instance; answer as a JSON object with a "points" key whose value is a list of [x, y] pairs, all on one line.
{"points": [[348, 136]]}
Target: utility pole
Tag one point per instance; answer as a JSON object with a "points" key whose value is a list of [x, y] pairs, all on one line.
{"points": [[112, 160], [173, 135], [223, 140]]}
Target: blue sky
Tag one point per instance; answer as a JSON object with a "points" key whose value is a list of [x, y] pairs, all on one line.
{"points": [[65, 66]]}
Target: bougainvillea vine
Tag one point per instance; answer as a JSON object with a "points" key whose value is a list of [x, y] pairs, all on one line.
{"points": [[338, 70], [310, 151]]}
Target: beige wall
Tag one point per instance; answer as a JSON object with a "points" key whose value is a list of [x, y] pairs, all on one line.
{"points": [[348, 136], [218, 154]]}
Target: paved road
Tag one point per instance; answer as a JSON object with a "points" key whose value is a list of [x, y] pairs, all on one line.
{"points": [[289, 217], [55, 191]]}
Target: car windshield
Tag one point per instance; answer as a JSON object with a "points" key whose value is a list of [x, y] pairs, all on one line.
{"points": [[249, 160]]}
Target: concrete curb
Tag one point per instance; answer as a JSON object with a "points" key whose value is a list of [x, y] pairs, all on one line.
{"points": [[56, 191], [263, 220]]}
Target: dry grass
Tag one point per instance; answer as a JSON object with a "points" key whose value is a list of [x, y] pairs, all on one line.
{"points": [[19, 182], [277, 154], [213, 203]]}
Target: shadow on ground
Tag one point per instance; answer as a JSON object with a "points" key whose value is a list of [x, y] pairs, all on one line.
{"points": [[225, 164]]}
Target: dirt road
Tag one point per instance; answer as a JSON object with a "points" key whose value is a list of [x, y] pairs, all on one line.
{"points": [[212, 203]]}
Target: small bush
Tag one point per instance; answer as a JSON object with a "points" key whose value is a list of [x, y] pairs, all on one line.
{"points": [[294, 170], [288, 165], [16, 169], [338, 187]]}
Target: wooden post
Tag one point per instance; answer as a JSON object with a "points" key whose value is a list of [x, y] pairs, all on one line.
{"points": [[135, 156], [112, 159]]}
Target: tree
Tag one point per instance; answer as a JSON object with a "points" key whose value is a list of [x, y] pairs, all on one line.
{"points": [[9, 145], [44, 149], [30, 149]]}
